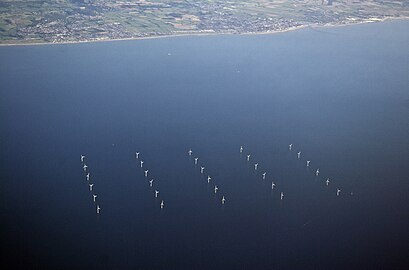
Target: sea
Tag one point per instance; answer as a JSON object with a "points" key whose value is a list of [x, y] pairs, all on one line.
{"points": [[338, 95]]}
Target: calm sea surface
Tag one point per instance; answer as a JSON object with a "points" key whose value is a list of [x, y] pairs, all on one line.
{"points": [[339, 95]]}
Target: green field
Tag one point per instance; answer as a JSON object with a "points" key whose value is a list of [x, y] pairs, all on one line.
{"points": [[82, 20]]}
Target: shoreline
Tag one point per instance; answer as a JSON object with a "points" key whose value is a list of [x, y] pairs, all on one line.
{"points": [[208, 33]]}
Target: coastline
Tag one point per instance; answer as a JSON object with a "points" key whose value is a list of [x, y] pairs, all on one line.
{"points": [[208, 33]]}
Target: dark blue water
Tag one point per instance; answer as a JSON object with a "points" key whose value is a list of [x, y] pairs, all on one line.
{"points": [[339, 95]]}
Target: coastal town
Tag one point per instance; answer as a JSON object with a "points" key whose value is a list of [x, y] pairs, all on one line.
{"points": [[90, 20]]}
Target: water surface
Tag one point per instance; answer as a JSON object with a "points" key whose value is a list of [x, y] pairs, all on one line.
{"points": [[339, 95]]}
